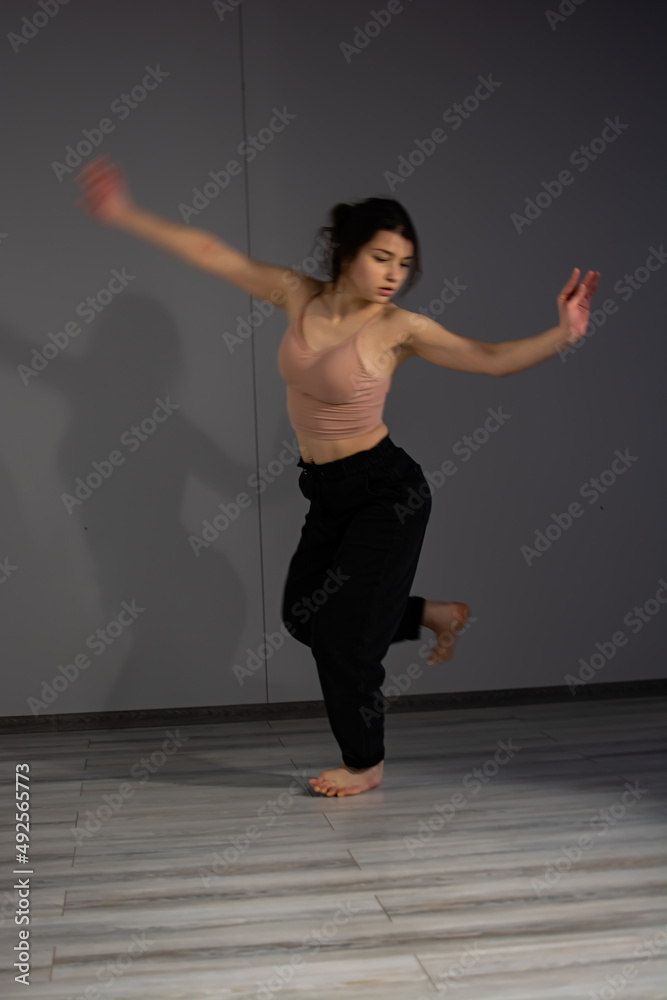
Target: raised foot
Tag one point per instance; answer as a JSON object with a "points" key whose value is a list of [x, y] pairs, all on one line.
{"points": [[347, 780], [446, 619]]}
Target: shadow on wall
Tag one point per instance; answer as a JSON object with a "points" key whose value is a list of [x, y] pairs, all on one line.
{"points": [[131, 523]]}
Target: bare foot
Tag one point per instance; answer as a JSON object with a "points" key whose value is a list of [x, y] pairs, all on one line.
{"points": [[347, 780], [446, 618]]}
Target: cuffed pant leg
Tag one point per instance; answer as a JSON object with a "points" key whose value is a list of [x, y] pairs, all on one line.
{"points": [[410, 624]]}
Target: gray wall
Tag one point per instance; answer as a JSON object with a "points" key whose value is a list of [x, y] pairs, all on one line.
{"points": [[161, 337]]}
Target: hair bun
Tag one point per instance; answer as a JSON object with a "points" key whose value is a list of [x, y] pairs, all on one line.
{"points": [[340, 213]]}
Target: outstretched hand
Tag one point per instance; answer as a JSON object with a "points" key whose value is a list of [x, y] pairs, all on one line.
{"points": [[105, 194], [574, 304]]}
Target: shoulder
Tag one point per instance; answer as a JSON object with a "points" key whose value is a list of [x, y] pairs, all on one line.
{"points": [[391, 333], [402, 325], [299, 290]]}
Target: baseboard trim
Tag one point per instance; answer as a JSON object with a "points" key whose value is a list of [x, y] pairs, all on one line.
{"points": [[654, 688]]}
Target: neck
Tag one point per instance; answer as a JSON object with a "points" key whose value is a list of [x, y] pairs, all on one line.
{"points": [[342, 302]]}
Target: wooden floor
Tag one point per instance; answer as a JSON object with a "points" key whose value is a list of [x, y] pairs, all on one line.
{"points": [[475, 872]]}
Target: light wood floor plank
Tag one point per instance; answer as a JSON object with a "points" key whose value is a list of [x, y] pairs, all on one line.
{"points": [[385, 895]]}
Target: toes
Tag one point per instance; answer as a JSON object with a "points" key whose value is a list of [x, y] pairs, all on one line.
{"points": [[319, 782], [332, 785], [322, 786]]}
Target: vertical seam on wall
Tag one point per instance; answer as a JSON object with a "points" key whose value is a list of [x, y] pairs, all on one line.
{"points": [[252, 344]]}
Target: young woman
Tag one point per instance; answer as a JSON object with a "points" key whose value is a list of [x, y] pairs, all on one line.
{"points": [[347, 590]]}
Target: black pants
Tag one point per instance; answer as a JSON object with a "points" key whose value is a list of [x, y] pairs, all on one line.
{"points": [[347, 590]]}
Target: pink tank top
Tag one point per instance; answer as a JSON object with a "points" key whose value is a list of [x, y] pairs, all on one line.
{"points": [[329, 393]]}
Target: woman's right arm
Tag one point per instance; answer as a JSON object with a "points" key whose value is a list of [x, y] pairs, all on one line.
{"points": [[105, 197]]}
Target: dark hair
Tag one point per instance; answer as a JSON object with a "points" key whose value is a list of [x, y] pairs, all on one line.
{"points": [[352, 226]]}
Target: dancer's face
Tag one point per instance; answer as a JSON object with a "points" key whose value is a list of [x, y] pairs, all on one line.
{"points": [[382, 263]]}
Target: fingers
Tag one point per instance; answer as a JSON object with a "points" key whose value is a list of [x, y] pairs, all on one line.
{"points": [[569, 284], [99, 170], [588, 285], [584, 288], [109, 178], [100, 183], [90, 169]]}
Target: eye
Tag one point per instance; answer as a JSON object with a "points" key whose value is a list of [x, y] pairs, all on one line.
{"points": [[383, 260]]}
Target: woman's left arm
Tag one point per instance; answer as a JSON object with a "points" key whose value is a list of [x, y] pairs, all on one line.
{"points": [[423, 337]]}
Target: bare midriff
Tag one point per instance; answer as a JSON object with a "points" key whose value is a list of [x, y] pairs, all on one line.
{"points": [[318, 451]]}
